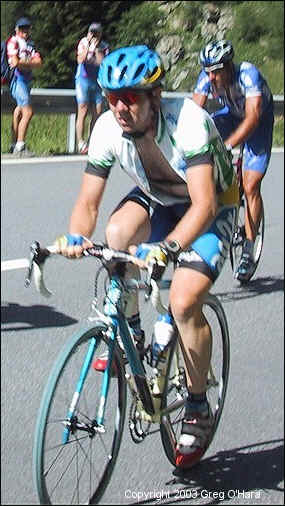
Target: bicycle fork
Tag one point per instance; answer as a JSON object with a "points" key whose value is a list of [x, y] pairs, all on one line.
{"points": [[71, 422], [75, 399]]}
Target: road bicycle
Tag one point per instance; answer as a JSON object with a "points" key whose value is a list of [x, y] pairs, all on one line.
{"points": [[82, 412], [239, 235]]}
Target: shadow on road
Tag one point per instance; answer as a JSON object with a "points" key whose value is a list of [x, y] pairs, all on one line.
{"points": [[258, 286], [253, 470], [36, 316]]}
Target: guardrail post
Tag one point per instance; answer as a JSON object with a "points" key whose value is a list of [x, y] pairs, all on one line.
{"points": [[71, 133]]}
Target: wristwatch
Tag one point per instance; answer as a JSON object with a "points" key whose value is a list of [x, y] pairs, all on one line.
{"points": [[173, 249], [229, 147]]}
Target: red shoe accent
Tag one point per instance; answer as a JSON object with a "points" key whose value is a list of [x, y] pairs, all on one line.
{"points": [[186, 461]]}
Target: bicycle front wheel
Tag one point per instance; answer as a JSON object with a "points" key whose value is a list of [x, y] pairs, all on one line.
{"points": [[175, 385], [76, 469], [239, 238]]}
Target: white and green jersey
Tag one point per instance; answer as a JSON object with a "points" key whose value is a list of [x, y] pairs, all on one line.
{"points": [[186, 137]]}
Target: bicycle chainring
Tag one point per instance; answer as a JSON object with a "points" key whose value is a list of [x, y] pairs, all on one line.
{"points": [[139, 428]]}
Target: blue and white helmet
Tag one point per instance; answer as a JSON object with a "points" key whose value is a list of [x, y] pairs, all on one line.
{"points": [[137, 67], [216, 54]]}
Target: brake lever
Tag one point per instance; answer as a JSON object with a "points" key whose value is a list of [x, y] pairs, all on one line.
{"points": [[37, 259], [34, 250]]}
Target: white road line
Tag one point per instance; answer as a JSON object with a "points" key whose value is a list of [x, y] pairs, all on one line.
{"points": [[72, 158], [9, 265], [49, 159]]}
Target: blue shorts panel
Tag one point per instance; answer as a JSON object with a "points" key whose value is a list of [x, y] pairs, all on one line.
{"points": [[211, 248], [21, 91], [88, 91], [257, 149]]}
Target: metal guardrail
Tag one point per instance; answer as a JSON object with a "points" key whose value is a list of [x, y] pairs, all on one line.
{"points": [[51, 101]]}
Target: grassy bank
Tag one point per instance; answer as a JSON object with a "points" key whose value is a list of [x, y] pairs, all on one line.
{"points": [[47, 133]]}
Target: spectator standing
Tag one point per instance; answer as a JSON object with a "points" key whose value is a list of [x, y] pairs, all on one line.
{"points": [[22, 56], [90, 53]]}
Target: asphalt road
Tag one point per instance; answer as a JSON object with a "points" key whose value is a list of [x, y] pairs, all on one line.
{"points": [[245, 462]]}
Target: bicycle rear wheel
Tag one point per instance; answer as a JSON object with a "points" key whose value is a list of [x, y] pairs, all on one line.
{"points": [[175, 385], [239, 238], [78, 470]]}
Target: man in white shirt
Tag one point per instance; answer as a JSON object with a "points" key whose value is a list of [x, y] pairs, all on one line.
{"points": [[23, 57]]}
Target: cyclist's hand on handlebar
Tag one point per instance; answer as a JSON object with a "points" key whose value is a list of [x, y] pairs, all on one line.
{"points": [[155, 257], [71, 245]]}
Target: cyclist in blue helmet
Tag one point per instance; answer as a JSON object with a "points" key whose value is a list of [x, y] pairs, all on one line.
{"points": [[182, 207], [245, 118], [138, 72]]}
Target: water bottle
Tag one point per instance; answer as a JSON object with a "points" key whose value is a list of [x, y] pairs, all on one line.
{"points": [[163, 332]]}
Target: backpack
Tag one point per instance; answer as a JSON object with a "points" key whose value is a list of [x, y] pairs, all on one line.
{"points": [[6, 72]]}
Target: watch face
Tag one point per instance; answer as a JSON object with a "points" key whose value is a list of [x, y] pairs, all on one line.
{"points": [[174, 246]]}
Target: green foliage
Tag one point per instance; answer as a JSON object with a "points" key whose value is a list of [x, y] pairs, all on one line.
{"points": [[262, 26], [140, 25], [46, 134], [257, 33], [193, 13]]}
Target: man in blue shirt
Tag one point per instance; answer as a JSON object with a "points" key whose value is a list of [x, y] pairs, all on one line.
{"points": [[246, 118]]}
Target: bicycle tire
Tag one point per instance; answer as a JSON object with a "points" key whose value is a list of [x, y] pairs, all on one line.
{"points": [[84, 477], [238, 240], [217, 380]]}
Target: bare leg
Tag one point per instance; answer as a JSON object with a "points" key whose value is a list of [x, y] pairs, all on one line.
{"points": [[252, 185], [17, 115], [95, 111], [25, 118], [121, 236], [81, 115], [187, 293]]}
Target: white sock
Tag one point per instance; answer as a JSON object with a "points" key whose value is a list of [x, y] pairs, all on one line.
{"points": [[19, 145]]}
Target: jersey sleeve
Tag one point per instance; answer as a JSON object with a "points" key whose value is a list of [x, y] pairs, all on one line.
{"points": [[250, 80], [101, 153], [203, 84], [12, 47], [195, 131]]}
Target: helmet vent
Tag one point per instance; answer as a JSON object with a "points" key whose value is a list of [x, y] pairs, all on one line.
{"points": [[121, 57], [109, 73], [124, 69], [154, 71], [139, 70]]}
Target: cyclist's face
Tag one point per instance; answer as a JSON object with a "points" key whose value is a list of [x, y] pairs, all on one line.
{"points": [[133, 111], [219, 78]]}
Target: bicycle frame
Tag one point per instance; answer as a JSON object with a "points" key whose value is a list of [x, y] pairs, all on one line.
{"points": [[115, 321]]}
